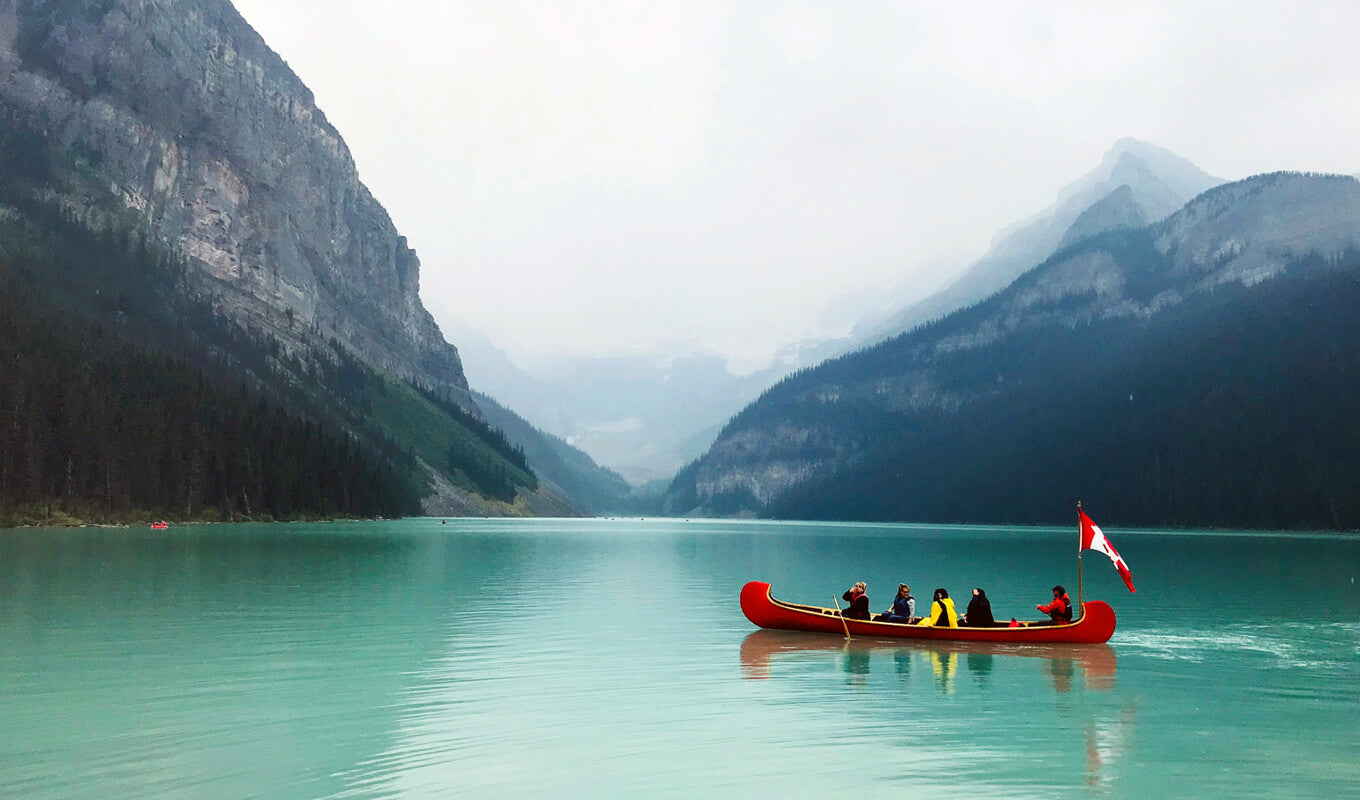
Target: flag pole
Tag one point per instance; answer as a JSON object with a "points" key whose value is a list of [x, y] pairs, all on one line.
{"points": [[1080, 608]]}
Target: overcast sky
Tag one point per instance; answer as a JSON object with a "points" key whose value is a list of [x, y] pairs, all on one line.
{"points": [[593, 177]]}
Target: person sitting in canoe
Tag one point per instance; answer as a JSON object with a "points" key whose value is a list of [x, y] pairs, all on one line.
{"points": [[1059, 611], [858, 600], [942, 614], [979, 614], [903, 608]]}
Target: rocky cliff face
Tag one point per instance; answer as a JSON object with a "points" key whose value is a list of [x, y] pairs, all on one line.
{"points": [[1243, 231], [177, 111]]}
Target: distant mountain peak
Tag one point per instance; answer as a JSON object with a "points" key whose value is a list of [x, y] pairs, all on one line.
{"points": [[1163, 180], [1159, 182], [1179, 174], [1118, 209], [1130, 165], [1142, 149]]}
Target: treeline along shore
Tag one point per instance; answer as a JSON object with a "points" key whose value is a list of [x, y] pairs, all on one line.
{"points": [[96, 428]]}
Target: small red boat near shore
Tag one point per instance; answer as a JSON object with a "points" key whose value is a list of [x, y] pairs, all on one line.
{"points": [[1094, 626]]}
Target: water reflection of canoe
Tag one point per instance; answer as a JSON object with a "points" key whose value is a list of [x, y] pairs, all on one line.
{"points": [[1094, 626], [1097, 662]]}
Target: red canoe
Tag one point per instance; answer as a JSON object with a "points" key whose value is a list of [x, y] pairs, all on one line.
{"points": [[1094, 626]]}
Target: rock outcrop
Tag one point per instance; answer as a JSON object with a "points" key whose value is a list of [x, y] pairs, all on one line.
{"points": [[177, 111]]}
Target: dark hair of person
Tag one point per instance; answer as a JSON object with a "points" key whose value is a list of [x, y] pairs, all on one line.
{"points": [[981, 593], [1059, 589], [941, 594]]}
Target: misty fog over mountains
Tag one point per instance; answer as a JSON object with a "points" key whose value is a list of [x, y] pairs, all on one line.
{"points": [[648, 415]]}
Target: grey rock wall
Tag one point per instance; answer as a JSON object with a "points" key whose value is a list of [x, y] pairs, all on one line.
{"points": [[178, 111]]}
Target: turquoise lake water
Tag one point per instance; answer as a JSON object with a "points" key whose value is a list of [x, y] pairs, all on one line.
{"points": [[609, 658]]}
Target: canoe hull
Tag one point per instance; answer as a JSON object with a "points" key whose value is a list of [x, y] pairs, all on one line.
{"points": [[1094, 626]]}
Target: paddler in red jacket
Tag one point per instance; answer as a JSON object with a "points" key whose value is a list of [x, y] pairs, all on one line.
{"points": [[1060, 610]]}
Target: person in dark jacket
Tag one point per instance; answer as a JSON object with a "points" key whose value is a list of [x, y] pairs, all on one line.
{"points": [[858, 600], [903, 608], [979, 613], [1059, 611]]}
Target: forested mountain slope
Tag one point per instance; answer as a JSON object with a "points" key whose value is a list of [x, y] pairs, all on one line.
{"points": [[1202, 370], [94, 426], [594, 489]]}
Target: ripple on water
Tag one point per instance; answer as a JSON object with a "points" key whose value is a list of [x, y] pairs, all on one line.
{"points": [[1321, 646]]}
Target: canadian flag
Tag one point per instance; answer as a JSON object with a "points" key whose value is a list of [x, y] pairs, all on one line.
{"points": [[1092, 538]]}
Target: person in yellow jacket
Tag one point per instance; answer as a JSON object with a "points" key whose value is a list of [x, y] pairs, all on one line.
{"points": [[942, 614]]}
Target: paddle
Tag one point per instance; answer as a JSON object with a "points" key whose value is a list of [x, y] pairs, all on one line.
{"points": [[845, 624]]}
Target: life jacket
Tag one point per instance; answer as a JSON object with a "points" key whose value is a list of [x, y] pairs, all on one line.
{"points": [[942, 614], [1065, 615]]}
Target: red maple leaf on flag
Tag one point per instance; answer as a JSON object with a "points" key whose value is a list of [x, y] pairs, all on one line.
{"points": [[1093, 538]]}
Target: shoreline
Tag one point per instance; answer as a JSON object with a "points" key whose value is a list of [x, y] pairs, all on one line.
{"points": [[66, 521], [69, 521]]}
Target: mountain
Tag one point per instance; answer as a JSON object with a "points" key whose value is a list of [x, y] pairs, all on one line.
{"points": [[212, 195], [495, 375], [643, 417], [1135, 183], [646, 417], [1201, 370]]}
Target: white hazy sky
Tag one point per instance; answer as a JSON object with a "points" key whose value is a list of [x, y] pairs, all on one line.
{"points": [[605, 176]]}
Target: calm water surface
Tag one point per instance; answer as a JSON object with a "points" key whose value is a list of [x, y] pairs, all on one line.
{"points": [[610, 659]]}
